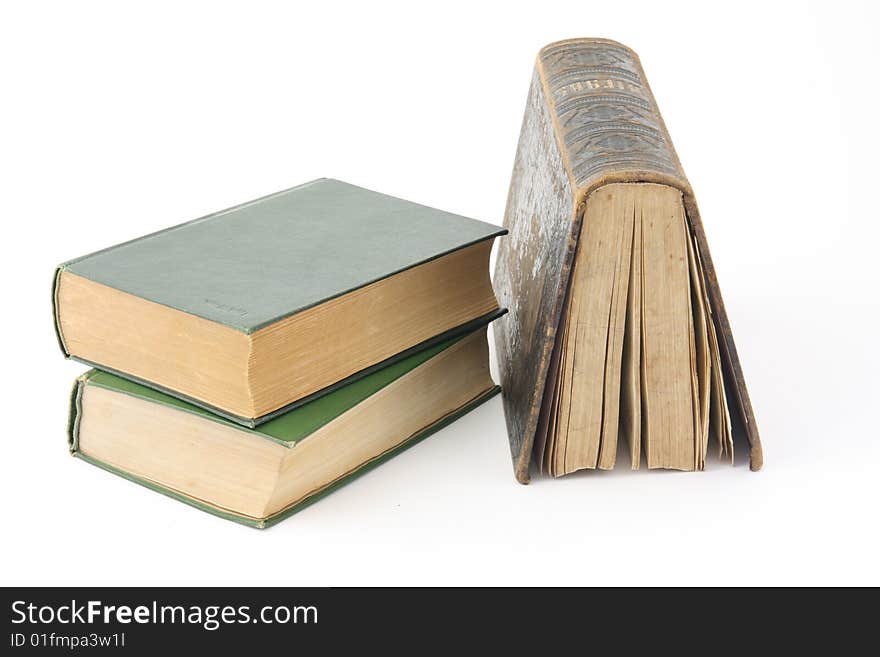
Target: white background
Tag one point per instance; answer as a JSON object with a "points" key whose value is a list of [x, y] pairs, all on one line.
{"points": [[120, 120]]}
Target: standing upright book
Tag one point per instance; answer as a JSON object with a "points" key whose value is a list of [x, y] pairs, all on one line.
{"points": [[616, 325], [254, 310]]}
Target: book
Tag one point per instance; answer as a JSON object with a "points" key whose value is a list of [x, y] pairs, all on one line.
{"points": [[255, 309], [616, 324], [258, 476]]}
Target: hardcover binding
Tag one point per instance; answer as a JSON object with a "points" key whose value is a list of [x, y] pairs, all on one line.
{"points": [[260, 523], [590, 120]]}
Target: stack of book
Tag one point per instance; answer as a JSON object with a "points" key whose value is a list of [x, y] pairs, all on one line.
{"points": [[253, 360]]}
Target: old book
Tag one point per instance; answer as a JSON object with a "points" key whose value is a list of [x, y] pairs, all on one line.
{"points": [[254, 309], [259, 476], [617, 329]]}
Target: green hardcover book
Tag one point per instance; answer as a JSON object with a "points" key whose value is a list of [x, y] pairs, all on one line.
{"points": [[255, 309], [258, 476]]}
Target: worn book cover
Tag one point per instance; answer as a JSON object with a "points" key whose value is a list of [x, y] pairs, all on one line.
{"points": [[266, 305], [590, 121], [259, 476]]}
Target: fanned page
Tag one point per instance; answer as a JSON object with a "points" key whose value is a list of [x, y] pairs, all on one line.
{"points": [[636, 354]]}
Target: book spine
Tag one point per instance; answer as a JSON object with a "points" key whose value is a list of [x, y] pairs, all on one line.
{"points": [[606, 120], [75, 411], [56, 316]]}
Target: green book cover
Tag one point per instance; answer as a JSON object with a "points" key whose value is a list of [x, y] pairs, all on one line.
{"points": [[281, 254], [287, 429]]}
